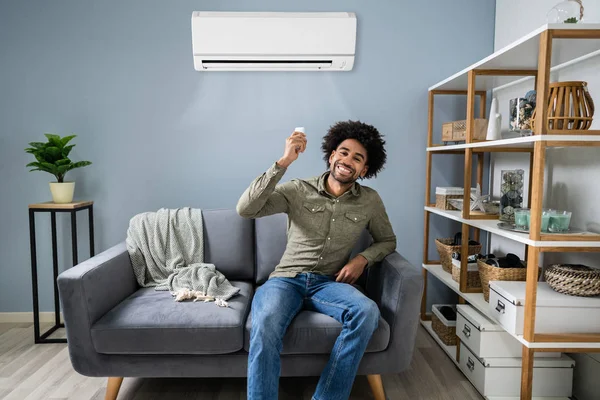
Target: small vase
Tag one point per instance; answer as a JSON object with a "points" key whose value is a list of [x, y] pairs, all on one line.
{"points": [[62, 192], [495, 122]]}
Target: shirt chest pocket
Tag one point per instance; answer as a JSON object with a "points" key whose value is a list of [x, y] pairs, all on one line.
{"points": [[354, 223], [313, 216]]}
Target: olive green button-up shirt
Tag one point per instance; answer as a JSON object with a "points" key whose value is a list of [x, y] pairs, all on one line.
{"points": [[322, 229]]}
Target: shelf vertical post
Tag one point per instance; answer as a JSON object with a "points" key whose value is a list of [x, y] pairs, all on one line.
{"points": [[527, 373], [464, 263], [533, 258], [469, 152], [480, 164], [424, 297], [426, 217], [480, 156], [482, 104], [429, 144], [543, 82], [537, 188]]}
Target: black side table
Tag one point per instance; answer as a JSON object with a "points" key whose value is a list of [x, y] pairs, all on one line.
{"points": [[53, 208]]}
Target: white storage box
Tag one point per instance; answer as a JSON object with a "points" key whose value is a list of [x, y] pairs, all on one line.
{"points": [[485, 338], [555, 312], [552, 377]]}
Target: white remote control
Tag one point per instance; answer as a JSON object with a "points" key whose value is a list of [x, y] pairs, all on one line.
{"points": [[299, 129]]}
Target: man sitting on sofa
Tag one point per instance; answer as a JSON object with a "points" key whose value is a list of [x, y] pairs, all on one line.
{"points": [[326, 217]]}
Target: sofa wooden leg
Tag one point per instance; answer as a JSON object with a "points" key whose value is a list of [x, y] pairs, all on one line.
{"points": [[376, 386], [112, 389]]}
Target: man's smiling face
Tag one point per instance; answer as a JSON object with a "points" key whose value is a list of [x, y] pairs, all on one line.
{"points": [[348, 162]]}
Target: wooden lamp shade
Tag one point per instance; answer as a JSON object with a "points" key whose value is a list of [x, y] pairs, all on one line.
{"points": [[570, 106]]}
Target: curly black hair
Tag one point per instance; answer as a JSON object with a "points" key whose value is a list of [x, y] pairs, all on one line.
{"points": [[366, 134]]}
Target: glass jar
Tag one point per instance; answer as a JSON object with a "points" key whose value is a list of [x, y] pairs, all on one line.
{"points": [[511, 191], [569, 11]]}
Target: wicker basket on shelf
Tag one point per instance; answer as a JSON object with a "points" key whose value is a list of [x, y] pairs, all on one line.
{"points": [[445, 331], [473, 279], [445, 250], [573, 279], [489, 273]]}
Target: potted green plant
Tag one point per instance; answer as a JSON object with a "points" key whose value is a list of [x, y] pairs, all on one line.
{"points": [[53, 157]]}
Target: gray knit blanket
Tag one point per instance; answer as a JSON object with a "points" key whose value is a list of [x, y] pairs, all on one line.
{"points": [[166, 249]]}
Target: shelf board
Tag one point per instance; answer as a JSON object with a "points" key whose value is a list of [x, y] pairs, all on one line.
{"points": [[490, 225], [523, 143], [557, 345], [476, 300], [522, 54], [449, 350]]}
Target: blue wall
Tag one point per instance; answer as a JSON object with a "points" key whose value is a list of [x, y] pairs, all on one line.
{"points": [[119, 74]]}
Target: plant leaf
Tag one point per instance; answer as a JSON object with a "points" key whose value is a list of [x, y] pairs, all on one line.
{"points": [[67, 139], [64, 161], [55, 154], [37, 145], [50, 166], [52, 137], [80, 164], [67, 149]]}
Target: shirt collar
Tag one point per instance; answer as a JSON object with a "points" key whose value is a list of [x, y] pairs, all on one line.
{"points": [[355, 189]]}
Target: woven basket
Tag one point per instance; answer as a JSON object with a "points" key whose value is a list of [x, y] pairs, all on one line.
{"points": [[489, 273], [447, 334], [570, 107], [441, 201], [573, 279], [473, 280], [445, 250]]}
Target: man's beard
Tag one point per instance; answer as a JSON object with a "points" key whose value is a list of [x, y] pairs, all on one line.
{"points": [[344, 180]]}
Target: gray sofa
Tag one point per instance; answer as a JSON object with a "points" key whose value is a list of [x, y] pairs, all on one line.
{"points": [[116, 329]]}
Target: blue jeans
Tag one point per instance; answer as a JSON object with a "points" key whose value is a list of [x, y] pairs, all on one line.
{"points": [[275, 305]]}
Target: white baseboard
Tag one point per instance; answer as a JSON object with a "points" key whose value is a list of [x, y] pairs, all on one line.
{"points": [[26, 317]]}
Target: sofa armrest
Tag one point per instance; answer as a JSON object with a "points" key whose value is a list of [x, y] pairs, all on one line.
{"points": [[87, 292], [397, 287]]}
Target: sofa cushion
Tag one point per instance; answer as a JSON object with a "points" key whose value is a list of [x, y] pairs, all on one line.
{"points": [[314, 333], [152, 322], [229, 243], [271, 239]]}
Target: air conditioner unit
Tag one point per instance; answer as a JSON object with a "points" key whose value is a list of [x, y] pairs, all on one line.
{"points": [[273, 41]]}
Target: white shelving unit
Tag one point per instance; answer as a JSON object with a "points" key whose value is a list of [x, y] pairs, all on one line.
{"points": [[534, 56]]}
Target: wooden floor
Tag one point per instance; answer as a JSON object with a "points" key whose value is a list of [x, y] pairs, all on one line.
{"points": [[39, 372]]}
